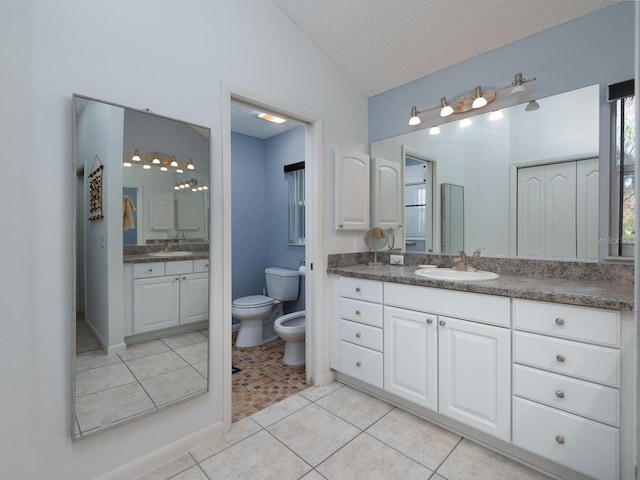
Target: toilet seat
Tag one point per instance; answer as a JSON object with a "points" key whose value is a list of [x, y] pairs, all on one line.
{"points": [[252, 301]]}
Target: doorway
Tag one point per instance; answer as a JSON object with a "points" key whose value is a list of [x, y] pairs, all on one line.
{"points": [[262, 156]]}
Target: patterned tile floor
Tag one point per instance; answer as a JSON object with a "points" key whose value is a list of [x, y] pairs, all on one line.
{"points": [[264, 379]]}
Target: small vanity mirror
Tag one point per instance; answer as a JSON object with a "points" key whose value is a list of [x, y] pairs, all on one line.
{"points": [[141, 312], [375, 239]]}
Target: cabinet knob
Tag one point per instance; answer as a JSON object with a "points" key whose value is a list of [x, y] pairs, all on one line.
{"points": [[150, 270], [560, 439], [340, 226], [357, 312], [177, 278], [560, 358], [358, 335], [206, 265], [429, 321], [560, 394], [358, 289], [358, 364], [559, 321], [442, 323]]}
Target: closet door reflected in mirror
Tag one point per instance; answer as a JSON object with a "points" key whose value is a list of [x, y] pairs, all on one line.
{"points": [[141, 312]]}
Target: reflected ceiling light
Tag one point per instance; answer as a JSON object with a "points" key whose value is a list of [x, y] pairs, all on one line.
{"points": [[479, 101], [532, 106], [270, 118], [179, 170], [126, 163], [146, 166], [177, 187], [435, 130], [156, 160], [414, 119], [163, 168], [190, 165], [519, 88], [495, 115], [136, 156], [174, 162], [465, 122], [446, 108], [204, 187]]}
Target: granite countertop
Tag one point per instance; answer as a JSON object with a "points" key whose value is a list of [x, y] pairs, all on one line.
{"points": [[146, 258], [574, 292]]}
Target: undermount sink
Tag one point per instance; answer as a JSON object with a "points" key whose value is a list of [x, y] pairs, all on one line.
{"points": [[456, 275], [170, 254]]}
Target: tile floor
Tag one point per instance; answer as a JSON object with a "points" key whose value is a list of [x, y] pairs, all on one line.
{"points": [[111, 389], [335, 432]]}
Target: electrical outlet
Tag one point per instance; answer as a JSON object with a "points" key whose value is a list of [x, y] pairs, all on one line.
{"points": [[396, 259]]}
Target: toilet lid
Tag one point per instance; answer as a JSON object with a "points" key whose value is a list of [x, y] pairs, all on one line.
{"points": [[252, 301]]}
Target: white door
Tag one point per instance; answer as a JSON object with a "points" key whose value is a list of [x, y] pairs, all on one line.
{"points": [[386, 194], [474, 375], [531, 212], [189, 215], [194, 297], [560, 212], [411, 356], [352, 191], [155, 303], [587, 195]]}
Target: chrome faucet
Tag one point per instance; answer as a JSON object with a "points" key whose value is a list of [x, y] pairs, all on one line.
{"points": [[462, 261]]}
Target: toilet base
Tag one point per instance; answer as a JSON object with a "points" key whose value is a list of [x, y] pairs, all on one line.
{"points": [[294, 353], [251, 334]]}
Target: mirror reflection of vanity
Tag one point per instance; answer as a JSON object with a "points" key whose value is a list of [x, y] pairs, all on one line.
{"points": [[526, 183], [142, 263]]}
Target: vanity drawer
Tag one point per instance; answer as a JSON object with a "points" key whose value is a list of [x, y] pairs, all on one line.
{"points": [[368, 290], [201, 265], [575, 396], [362, 312], [588, 362], [594, 325], [178, 267], [360, 334], [583, 445], [148, 270], [361, 363]]}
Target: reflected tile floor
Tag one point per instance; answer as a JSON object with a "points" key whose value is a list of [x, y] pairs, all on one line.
{"points": [[112, 389], [263, 378], [316, 434]]}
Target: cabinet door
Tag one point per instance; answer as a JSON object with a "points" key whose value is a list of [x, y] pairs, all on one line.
{"points": [[411, 356], [194, 297], [531, 212], [155, 303], [352, 191], [561, 210], [587, 206], [386, 195], [474, 378]]}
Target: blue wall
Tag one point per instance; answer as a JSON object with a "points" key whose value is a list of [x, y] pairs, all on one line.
{"points": [[259, 210], [596, 48]]}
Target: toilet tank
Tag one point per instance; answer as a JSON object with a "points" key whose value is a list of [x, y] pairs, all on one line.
{"points": [[282, 284]]}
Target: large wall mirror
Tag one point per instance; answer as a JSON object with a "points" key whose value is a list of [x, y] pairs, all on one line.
{"points": [[521, 181], [142, 263]]}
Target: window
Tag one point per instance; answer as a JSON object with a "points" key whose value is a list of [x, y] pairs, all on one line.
{"points": [[294, 174], [623, 236]]}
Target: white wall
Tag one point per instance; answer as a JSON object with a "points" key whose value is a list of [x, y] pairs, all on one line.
{"points": [[171, 57]]}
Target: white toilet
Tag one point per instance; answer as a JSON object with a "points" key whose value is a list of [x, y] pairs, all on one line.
{"points": [[291, 328], [257, 313]]}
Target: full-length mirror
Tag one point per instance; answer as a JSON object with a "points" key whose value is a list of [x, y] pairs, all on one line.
{"points": [[529, 174], [142, 263]]}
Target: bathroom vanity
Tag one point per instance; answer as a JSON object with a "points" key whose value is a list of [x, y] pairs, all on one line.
{"points": [[540, 369]]}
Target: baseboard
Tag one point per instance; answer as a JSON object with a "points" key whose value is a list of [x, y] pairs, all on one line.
{"points": [[164, 454]]}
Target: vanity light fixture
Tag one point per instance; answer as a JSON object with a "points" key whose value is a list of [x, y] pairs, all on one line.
{"points": [[270, 118], [163, 168], [495, 115], [174, 162], [126, 163], [435, 130], [146, 166], [478, 99], [190, 165], [532, 106], [192, 184], [156, 160], [179, 170], [136, 156]]}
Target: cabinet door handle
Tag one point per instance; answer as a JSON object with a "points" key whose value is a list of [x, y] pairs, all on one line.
{"points": [[559, 321], [358, 335], [177, 278], [357, 312], [559, 394], [358, 289], [560, 358], [150, 270], [429, 321], [184, 278], [560, 439], [358, 364], [442, 323]]}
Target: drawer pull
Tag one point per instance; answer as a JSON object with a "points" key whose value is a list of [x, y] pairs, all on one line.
{"points": [[560, 358], [560, 394], [357, 312], [358, 335], [358, 289], [429, 321], [442, 323], [560, 439], [559, 321], [358, 364], [150, 270]]}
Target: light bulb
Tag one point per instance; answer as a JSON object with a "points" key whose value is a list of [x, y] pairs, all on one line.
{"points": [[495, 115], [190, 165], [176, 187], [446, 108], [136, 156], [465, 122], [146, 167], [531, 106], [126, 164], [204, 187], [179, 170], [414, 120], [156, 160], [434, 130], [479, 101], [174, 162], [163, 168]]}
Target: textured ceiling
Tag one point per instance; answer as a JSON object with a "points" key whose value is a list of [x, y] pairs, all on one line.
{"points": [[381, 44]]}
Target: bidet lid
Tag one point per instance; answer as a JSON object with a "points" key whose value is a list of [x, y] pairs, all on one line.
{"points": [[252, 301]]}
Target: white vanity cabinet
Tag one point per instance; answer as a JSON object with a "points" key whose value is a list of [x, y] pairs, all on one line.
{"points": [[169, 294], [360, 327], [352, 173], [566, 381]]}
